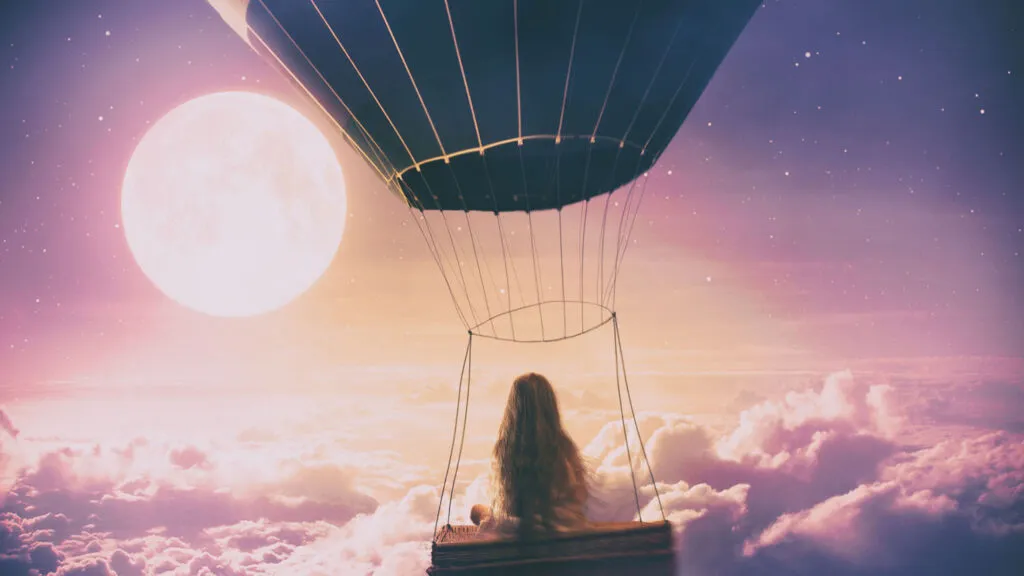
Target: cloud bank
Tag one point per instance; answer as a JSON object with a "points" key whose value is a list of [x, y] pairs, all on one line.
{"points": [[817, 482]]}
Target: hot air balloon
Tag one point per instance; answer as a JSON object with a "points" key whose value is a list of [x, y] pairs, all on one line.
{"points": [[519, 134]]}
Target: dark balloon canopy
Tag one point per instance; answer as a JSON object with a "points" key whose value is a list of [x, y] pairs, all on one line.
{"points": [[501, 105]]}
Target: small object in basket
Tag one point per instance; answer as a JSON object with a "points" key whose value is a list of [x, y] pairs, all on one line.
{"points": [[479, 514]]}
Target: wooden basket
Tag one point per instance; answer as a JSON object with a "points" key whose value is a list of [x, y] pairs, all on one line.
{"points": [[604, 549]]}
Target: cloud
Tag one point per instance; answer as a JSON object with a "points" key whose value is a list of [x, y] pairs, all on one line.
{"points": [[126, 565], [393, 540], [145, 508], [6, 425], [23, 549], [993, 405], [86, 567], [188, 457], [792, 453], [9, 460], [838, 524], [817, 481], [893, 528]]}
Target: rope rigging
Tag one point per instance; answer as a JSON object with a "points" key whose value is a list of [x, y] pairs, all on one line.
{"points": [[462, 408]]}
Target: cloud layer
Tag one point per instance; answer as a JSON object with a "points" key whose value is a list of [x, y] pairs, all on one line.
{"points": [[818, 483], [815, 482]]}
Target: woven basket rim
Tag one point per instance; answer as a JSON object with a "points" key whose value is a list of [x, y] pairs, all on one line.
{"points": [[595, 531]]}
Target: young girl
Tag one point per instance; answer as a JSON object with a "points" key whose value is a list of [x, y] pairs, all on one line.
{"points": [[540, 479]]}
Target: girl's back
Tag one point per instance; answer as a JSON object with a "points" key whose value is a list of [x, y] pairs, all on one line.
{"points": [[541, 482]]}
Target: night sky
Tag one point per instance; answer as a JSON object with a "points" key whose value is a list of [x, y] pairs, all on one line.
{"points": [[848, 193], [870, 113]]}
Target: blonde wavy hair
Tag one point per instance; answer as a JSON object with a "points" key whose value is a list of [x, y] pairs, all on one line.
{"points": [[541, 480]]}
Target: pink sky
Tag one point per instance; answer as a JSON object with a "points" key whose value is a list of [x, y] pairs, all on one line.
{"points": [[312, 439], [820, 312]]}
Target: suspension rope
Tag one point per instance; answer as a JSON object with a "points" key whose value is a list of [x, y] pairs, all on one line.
{"points": [[561, 237], [465, 414], [480, 272], [568, 71], [443, 256], [654, 78], [629, 233], [458, 261], [472, 239], [519, 97], [462, 69], [506, 245], [618, 243], [440, 144], [558, 166], [604, 221], [533, 243], [512, 261], [501, 238], [435, 251], [536, 272], [428, 238], [623, 220], [316, 101], [479, 141], [622, 415], [615, 71], [375, 147], [620, 355], [561, 265], [412, 80], [636, 172], [366, 84], [455, 429], [455, 251], [624, 239], [508, 283], [432, 243], [671, 103], [583, 240], [593, 136]]}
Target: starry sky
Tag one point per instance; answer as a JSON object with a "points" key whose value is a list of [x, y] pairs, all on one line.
{"points": [[847, 194], [881, 136]]}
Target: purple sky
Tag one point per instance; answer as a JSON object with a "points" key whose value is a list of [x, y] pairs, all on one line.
{"points": [[846, 194], [862, 180]]}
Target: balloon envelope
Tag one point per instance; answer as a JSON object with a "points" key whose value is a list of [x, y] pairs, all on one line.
{"points": [[499, 105]]}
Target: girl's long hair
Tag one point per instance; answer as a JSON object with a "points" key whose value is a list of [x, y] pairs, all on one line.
{"points": [[541, 478]]}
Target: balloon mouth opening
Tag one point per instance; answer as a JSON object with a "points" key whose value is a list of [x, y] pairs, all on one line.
{"points": [[548, 321]]}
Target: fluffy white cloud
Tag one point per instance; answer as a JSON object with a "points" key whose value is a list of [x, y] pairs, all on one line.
{"points": [[815, 482], [813, 479]]}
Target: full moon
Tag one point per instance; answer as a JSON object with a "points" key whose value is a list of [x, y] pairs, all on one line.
{"points": [[233, 204]]}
